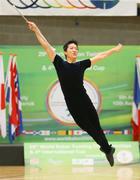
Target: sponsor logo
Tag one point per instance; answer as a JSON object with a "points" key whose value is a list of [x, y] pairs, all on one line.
{"points": [[86, 161], [124, 157]]}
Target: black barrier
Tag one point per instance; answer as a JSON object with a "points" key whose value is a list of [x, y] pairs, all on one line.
{"points": [[12, 155]]}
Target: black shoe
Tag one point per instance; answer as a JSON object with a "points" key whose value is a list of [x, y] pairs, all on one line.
{"points": [[109, 156]]}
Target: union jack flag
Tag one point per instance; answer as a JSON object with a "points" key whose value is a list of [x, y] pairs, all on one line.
{"points": [[13, 99]]}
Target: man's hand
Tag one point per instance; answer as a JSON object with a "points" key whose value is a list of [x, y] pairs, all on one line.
{"points": [[118, 47], [32, 26]]}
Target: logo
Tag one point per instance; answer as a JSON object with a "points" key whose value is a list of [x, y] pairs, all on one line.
{"points": [[105, 4], [57, 107], [124, 157], [70, 4], [85, 162]]}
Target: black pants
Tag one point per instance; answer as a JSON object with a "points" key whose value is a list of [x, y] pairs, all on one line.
{"points": [[86, 117]]}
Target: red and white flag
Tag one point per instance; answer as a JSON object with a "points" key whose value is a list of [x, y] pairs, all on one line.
{"points": [[15, 127], [2, 100]]}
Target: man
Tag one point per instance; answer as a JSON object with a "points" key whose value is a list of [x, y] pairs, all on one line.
{"points": [[70, 74]]}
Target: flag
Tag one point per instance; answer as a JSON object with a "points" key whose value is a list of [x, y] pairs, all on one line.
{"points": [[13, 99], [62, 132], [136, 105], [7, 82], [2, 99]]}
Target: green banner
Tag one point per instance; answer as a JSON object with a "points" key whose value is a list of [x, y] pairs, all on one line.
{"points": [[68, 154], [109, 83]]}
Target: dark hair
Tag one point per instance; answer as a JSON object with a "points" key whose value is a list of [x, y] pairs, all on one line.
{"points": [[65, 47]]}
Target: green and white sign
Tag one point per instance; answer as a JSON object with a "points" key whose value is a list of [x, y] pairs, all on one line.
{"points": [[46, 155], [109, 83]]}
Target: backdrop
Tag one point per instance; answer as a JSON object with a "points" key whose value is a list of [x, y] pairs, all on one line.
{"points": [[109, 83]]}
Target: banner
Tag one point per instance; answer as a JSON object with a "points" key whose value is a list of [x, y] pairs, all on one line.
{"points": [[50, 156], [70, 7], [109, 83]]}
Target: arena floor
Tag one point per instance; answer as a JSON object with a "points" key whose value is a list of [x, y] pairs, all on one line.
{"points": [[125, 172]]}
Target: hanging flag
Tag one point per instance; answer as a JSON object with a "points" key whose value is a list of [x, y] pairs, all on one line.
{"points": [[19, 128], [136, 104], [8, 76], [2, 99], [9, 94], [13, 99]]}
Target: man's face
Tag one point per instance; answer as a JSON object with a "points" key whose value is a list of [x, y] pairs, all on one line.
{"points": [[71, 52]]}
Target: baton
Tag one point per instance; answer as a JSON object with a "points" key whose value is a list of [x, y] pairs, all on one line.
{"points": [[19, 12]]}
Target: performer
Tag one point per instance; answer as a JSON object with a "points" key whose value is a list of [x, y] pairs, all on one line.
{"points": [[70, 74]]}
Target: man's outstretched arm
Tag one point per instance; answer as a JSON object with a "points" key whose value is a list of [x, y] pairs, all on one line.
{"points": [[42, 40], [105, 54]]}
